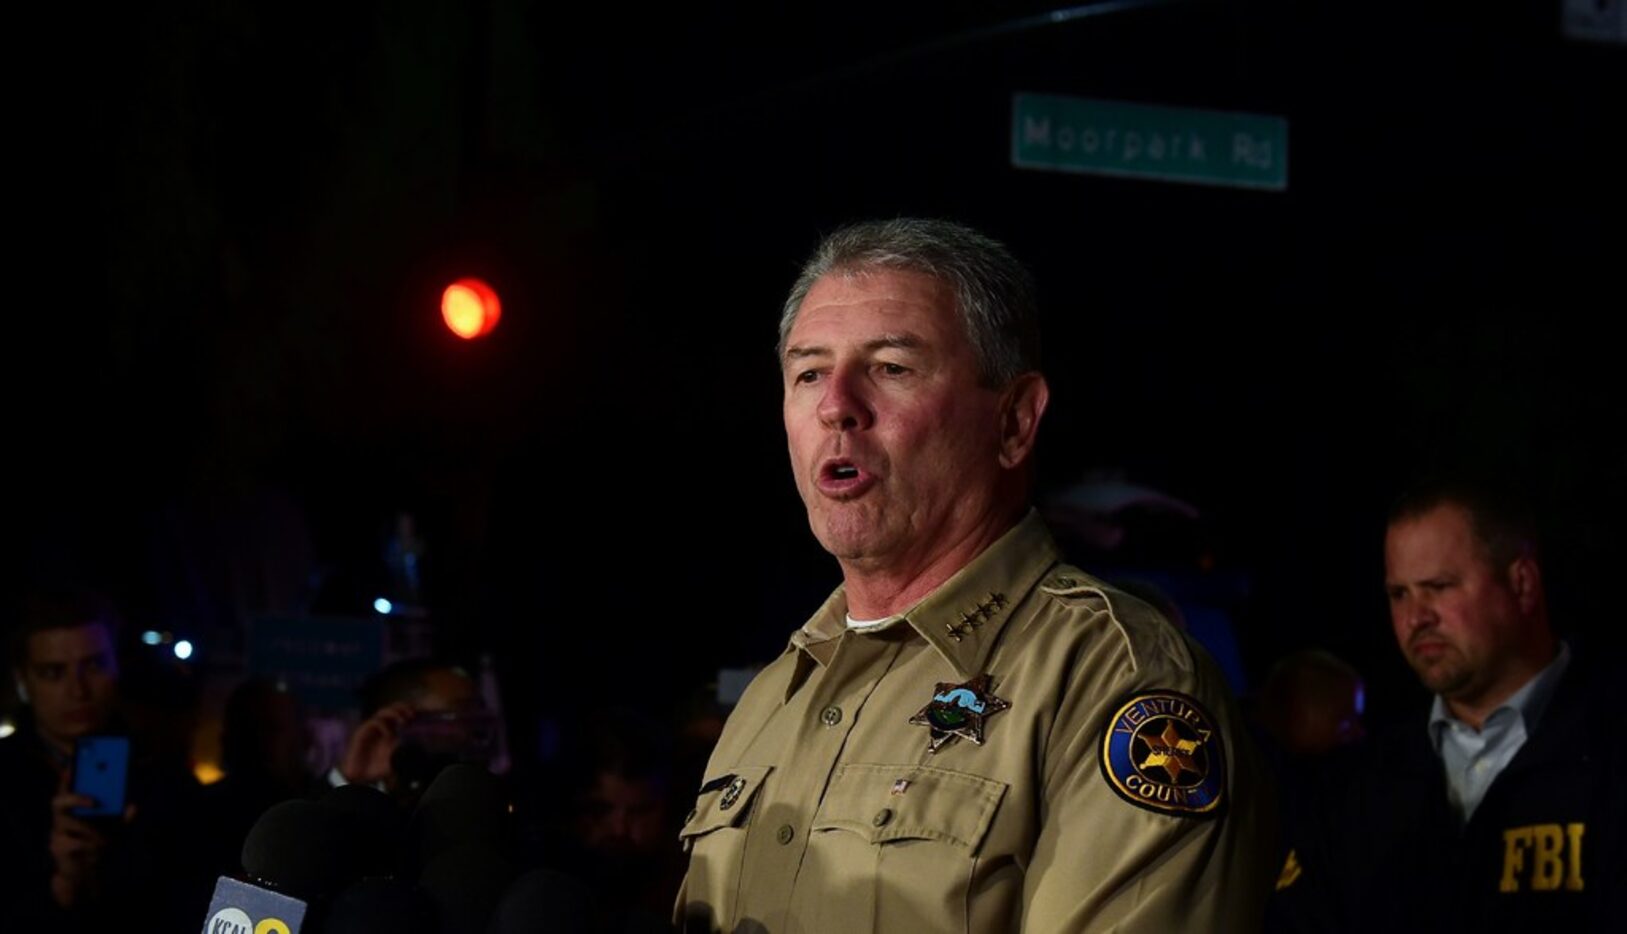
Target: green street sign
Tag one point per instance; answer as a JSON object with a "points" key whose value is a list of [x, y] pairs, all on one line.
{"points": [[1172, 144]]}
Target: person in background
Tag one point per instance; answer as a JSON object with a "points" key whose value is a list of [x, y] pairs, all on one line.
{"points": [[1311, 703], [1499, 807], [622, 826], [62, 871], [418, 716], [264, 743]]}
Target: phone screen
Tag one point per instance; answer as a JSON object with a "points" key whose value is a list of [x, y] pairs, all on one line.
{"points": [[101, 767], [468, 736]]}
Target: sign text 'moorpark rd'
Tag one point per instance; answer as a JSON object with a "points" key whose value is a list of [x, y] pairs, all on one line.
{"points": [[1210, 147]]}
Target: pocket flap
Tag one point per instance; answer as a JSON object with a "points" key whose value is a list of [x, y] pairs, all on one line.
{"points": [[724, 800], [910, 802]]}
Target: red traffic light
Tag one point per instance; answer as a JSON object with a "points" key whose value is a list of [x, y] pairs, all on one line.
{"points": [[470, 308]]}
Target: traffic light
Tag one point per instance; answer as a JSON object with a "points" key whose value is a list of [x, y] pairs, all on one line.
{"points": [[470, 308]]}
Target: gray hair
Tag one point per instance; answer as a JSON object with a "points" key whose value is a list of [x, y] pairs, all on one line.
{"points": [[993, 292]]}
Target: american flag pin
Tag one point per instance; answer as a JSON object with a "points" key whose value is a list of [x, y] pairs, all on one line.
{"points": [[901, 786]]}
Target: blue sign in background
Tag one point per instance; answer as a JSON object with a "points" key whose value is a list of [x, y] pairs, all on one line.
{"points": [[323, 660]]}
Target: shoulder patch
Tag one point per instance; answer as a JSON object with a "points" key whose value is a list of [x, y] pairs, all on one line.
{"points": [[1161, 751]]}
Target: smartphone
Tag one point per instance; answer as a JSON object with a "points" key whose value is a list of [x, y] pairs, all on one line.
{"points": [[465, 735], [101, 770], [431, 741]]}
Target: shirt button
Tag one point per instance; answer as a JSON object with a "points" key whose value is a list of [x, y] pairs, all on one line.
{"points": [[882, 817], [831, 715], [785, 834]]}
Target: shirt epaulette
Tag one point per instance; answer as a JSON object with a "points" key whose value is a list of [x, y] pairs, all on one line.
{"points": [[1149, 638]]}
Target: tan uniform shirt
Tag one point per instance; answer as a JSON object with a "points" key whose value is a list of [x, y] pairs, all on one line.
{"points": [[824, 810]]}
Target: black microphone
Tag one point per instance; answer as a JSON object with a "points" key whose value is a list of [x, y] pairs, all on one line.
{"points": [[376, 826], [294, 854], [465, 883], [465, 804], [543, 900], [380, 906], [301, 848], [458, 837]]}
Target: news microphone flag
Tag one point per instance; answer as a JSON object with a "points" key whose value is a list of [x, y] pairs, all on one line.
{"points": [[241, 908]]}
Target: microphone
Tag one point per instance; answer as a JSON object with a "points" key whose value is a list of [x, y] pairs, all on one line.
{"points": [[299, 854], [286, 872], [458, 840], [242, 908], [380, 906], [465, 804], [375, 824], [300, 848], [465, 883]]}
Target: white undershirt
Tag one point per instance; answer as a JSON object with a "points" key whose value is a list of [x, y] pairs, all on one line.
{"points": [[870, 625]]}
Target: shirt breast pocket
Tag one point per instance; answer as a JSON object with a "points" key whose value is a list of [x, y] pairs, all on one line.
{"points": [[714, 836], [899, 844]]}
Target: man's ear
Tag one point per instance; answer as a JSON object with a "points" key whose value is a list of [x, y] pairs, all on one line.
{"points": [[1022, 405], [1525, 580]]}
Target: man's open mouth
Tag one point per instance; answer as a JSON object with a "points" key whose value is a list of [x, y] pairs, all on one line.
{"points": [[842, 479]]}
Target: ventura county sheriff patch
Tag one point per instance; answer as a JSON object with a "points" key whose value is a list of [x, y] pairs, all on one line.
{"points": [[1161, 751]]}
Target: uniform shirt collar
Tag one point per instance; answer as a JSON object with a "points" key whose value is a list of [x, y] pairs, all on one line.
{"points": [[1527, 704], [963, 617]]}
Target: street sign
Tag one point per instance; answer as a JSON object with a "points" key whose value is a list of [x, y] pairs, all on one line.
{"points": [[1175, 144]]}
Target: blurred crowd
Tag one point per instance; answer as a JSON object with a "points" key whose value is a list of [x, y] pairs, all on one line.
{"points": [[584, 827]]}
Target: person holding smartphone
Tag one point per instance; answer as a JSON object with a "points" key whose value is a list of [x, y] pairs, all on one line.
{"points": [[418, 715], [66, 674], [70, 848]]}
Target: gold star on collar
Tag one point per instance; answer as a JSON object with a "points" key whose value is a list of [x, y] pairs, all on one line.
{"points": [[959, 710]]}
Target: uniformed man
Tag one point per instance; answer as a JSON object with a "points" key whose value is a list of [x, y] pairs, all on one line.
{"points": [[1501, 808], [969, 735]]}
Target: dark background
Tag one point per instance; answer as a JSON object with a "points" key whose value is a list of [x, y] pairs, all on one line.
{"points": [[230, 224]]}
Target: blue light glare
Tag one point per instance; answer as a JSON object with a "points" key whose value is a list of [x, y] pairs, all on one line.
{"points": [[183, 650], [382, 605], [150, 637]]}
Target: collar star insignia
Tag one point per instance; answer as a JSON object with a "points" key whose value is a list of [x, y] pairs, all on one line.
{"points": [[959, 710]]}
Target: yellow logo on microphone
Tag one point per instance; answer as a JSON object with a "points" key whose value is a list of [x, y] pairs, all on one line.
{"points": [[236, 921]]}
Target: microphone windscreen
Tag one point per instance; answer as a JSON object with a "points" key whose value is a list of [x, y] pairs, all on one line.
{"points": [[465, 884], [298, 848], [543, 900], [376, 824], [380, 906], [464, 805]]}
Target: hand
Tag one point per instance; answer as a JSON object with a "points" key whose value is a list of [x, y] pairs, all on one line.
{"points": [[367, 755], [76, 847]]}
